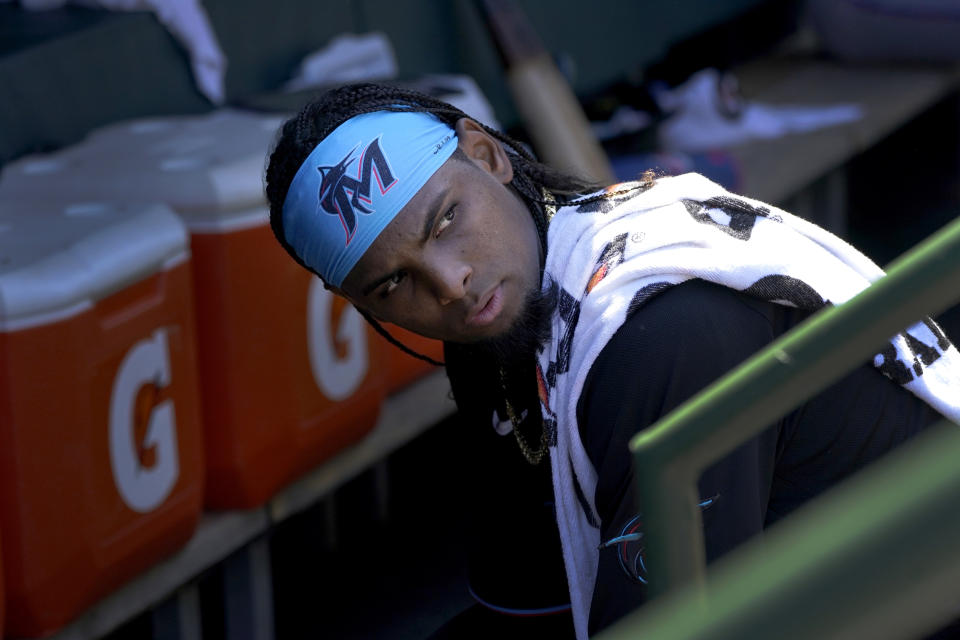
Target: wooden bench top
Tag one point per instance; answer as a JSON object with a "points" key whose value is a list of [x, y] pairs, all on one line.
{"points": [[889, 95]]}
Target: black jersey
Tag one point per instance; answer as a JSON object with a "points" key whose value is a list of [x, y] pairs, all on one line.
{"points": [[679, 342]]}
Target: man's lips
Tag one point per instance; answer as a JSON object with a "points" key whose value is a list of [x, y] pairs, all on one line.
{"points": [[487, 309]]}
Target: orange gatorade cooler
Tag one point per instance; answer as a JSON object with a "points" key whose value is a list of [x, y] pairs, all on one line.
{"points": [[288, 375], [101, 461], [293, 374]]}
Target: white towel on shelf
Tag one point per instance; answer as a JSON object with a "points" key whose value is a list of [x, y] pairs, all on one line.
{"points": [[709, 113]]}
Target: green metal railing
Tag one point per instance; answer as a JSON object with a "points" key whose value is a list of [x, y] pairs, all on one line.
{"points": [[671, 455], [877, 557]]}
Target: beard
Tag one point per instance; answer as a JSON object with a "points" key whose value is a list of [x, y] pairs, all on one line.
{"points": [[512, 357], [520, 343]]}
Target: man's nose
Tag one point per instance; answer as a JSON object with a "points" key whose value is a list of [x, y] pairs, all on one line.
{"points": [[451, 281]]}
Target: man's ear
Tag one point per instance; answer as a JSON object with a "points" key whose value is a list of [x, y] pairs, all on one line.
{"points": [[484, 150]]}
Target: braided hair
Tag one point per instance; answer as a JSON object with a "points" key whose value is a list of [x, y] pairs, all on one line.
{"points": [[537, 184]]}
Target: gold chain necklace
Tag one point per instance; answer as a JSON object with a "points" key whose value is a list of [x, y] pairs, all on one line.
{"points": [[533, 456]]}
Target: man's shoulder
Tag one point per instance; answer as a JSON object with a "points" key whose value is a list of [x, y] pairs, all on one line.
{"points": [[696, 327], [676, 344]]}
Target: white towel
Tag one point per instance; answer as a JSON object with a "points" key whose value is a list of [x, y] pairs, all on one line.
{"points": [[608, 256]]}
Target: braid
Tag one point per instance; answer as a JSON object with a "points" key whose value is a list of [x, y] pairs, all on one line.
{"points": [[389, 338]]}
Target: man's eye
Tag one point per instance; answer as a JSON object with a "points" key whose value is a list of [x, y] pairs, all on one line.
{"points": [[445, 220], [391, 284]]}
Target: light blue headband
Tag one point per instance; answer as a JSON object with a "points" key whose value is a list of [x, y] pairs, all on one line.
{"points": [[356, 181]]}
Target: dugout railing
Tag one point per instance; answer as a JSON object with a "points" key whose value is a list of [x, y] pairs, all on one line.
{"points": [[878, 556]]}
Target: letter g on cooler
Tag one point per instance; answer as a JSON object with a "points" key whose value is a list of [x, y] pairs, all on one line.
{"points": [[143, 488], [338, 378]]}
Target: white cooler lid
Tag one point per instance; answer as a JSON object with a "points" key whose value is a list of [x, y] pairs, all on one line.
{"points": [[57, 260], [207, 168]]}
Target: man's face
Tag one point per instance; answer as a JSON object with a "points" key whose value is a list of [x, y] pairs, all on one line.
{"points": [[459, 260]]}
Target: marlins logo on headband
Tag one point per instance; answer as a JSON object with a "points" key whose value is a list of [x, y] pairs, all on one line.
{"points": [[355, 181]]}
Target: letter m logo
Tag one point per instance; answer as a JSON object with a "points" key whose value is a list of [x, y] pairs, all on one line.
{"points": [[345, 195]]}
